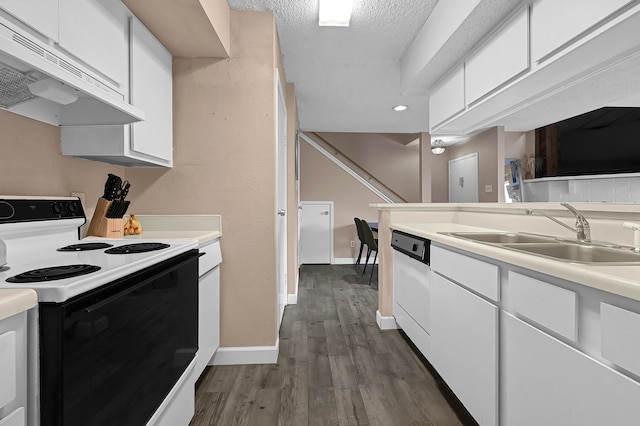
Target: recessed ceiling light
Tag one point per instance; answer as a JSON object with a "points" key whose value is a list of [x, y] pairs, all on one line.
{"points": [[335, 13], [400, 107]]}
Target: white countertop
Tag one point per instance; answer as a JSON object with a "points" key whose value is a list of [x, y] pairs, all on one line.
{"points": [[202, 237], [623, 280], [14, 301], [203, 229]]}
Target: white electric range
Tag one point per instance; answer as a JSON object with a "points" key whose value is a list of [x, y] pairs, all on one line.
{"points": [[104, 319]]}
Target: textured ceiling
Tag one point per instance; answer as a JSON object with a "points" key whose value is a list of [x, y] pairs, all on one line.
{"points": [[348, 79]]}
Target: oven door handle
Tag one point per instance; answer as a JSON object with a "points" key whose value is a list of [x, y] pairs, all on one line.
{"points": [[133, 288]]}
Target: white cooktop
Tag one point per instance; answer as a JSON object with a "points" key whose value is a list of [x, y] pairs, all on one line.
{"points": [[112, 266]]}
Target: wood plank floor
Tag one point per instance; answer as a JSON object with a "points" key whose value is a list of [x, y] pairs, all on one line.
{"points": [[335, 367]]}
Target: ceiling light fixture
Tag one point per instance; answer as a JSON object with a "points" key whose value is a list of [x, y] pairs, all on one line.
{"points": [[335, 13], [437, 147], [400, 108]]}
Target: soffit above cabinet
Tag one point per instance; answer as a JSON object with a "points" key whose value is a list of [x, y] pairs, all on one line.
{"points": [[187, 28]]}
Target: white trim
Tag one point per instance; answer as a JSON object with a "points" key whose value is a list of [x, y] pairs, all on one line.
{"points": [[343, 261], [344, 167], [352, 260], [292, 299], [246, 355], [386, 323]]}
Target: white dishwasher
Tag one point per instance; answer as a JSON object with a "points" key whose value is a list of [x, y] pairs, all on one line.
{"points": [[411, 287]]}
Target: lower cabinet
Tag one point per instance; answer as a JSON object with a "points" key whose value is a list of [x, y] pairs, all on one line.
{"points": [[547, 382], [208, 304], [464, 347], [13, 370]]}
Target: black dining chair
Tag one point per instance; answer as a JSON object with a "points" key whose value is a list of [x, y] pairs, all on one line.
{"points": [[372, 245], [360, 237]]}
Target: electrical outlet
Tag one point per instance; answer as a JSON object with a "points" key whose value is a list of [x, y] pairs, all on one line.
{"points": [[353, 243], [79, 195]]}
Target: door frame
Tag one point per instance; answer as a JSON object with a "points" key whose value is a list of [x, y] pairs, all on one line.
{"points": [[331, 224], [465, 157], [281, 222]]}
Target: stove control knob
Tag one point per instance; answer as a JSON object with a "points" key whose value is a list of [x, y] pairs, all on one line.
{"points": [[73, 207], [57, 208]]}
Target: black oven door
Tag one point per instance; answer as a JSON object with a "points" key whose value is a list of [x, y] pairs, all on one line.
{"points": [[110, 356]]}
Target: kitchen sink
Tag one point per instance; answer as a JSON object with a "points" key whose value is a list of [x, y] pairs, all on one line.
{"points": [[501, 237], [579, 253]]}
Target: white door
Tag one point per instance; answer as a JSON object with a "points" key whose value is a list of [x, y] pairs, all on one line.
{"points": [[463, 179], [281, 202], [316, 234]]}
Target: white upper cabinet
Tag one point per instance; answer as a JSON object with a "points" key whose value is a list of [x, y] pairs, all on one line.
{"points": [[555, 23], [148, 143], [151, 91], [503, 57], [94, 31], [448, 98], [38, 14]]}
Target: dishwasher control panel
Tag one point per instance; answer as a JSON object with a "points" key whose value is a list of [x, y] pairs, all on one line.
{"points": [[416, 247]]}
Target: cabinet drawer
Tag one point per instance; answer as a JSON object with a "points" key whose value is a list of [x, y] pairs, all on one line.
{"points": [[474, 274], [503, 57], [620, 330], [16, 418], [210, 257], [8, 367], [550, 306]]}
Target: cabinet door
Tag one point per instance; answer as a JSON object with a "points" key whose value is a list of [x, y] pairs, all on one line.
{"points": [[546, 382], [209, 318], [8, 368], [94, 31], [41, 15], [554, 23], [151, 91], [499, 60], [464, 347], [447, 99]]}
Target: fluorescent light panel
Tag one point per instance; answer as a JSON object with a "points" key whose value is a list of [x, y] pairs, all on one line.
{"points": [[335, 13]]}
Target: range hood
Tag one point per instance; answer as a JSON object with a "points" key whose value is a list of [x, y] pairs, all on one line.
{"points": [[41, 82]]}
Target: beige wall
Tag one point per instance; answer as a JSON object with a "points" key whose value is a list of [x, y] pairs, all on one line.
{"points": [[31, 163], [322, 180], [396, 165], [492, 146], [224, 162]]}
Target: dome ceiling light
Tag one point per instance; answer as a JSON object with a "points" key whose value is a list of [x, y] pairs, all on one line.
{"points": [[437, 147], [400, 108]]}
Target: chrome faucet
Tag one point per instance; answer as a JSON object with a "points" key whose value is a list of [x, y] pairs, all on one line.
{"points": [[582, 229]]}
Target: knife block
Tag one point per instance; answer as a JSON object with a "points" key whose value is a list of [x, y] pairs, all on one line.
{"points": [[100, 226]]}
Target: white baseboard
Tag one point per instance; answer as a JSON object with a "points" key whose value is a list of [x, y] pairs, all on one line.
{"points": [[292, 299], [349, 260], [343, 261], [386, 323], [246, 355]]}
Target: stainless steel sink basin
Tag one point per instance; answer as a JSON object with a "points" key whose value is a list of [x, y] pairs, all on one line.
{"points": [[579, 253], [500, 237]]}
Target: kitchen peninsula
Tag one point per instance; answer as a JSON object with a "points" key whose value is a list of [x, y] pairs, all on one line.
{"points": [[522, 338]]}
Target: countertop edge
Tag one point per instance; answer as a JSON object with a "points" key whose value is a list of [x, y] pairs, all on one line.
{"points": [[595, 276], [14, 301]]}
